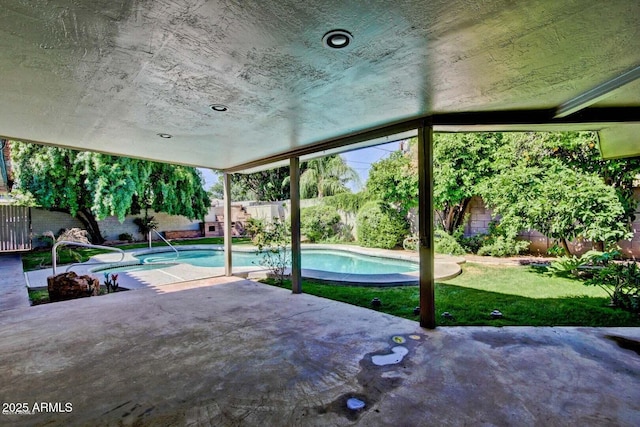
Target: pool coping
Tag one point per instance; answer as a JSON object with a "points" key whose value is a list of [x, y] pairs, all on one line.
{"points": [[348, 279], [446, 267]]}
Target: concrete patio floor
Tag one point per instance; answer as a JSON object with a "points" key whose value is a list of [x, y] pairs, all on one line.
{"points": [[229, 351]]}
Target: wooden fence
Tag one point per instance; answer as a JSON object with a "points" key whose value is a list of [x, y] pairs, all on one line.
{"points": [[15, 228]]}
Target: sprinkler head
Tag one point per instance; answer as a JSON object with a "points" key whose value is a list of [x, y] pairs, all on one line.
{"points": [[496, 314], [376, 302]]}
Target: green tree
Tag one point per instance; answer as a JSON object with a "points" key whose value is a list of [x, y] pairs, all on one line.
{"points": [[92, 186], [326, 176], [238, 190], [394, 180], [461, 161], [266, 186], [380, 226], [319, 223], [544, 181]]}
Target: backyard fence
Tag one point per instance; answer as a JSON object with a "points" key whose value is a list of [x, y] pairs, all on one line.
{"points": [[15, 228]]}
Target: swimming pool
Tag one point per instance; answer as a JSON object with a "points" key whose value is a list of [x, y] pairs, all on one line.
{"points": [[313, 259]]}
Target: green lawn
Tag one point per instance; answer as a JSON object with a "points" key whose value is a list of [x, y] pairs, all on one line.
{"points": [[525, 296], [42, 258]]}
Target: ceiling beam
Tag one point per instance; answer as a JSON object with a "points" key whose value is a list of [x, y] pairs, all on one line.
{"points": [[597, 93], [590, 118]]}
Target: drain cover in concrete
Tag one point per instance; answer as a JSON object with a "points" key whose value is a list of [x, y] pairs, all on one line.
{"points": [[355, 404]]}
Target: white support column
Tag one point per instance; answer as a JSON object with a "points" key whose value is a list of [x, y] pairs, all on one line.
{"points": [[296, 257], [425, 226], [226, 181]]}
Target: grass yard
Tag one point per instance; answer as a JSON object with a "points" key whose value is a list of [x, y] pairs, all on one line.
{"points": [[525, 295]]}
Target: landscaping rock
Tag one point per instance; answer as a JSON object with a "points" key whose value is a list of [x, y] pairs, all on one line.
{"points": [[66, 286]]}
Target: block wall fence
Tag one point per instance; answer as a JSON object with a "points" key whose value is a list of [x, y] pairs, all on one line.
{"points": [[479, 218]]}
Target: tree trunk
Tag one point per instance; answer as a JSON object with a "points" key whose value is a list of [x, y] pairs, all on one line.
{"points": [[89, 221], [454, 215], [565, 246]]}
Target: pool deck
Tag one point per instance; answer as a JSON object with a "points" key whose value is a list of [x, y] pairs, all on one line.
{"points": [[445, 267]]}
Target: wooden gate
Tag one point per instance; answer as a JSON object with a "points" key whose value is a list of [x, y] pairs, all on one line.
{"points": [[15, 228]]}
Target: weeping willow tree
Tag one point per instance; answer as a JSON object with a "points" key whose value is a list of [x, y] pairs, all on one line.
{"points": [[92, 186]]}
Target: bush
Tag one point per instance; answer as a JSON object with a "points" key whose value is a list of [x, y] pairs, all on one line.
{"points": [[254, 228], [380, 226], [319, 222], [498, 242], [272, 242], [622, 282], [126, 237], [504, 246], [445, 243]]}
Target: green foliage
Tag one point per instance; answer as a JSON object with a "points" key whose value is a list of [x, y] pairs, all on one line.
{"points": [[239, 189], [542, 182], [555, 183], [326, 176], [272, 244], [503, 246], [571, 265], [347, 202], [461, 161], [268, 185], [145, 225], [622, 282], [319, 223], [254, 227], [126, 237], [92, 186], [394, 181], [558, 202], [500, 242], [445, 243], [380, 226]]}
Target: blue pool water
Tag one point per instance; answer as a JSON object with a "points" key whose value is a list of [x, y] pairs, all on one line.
{"points": [[333, 261]]}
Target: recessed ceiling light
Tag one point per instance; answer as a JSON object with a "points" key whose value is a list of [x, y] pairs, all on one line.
{"points": [[165, 135], [337, 39], [219, 107]]}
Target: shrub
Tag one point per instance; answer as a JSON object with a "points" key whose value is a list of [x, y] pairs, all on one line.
{"points": [[498, 242], [145, 225], [126, 237], [254, 228], [319, 222], [504, 246], [622, 282], [380, 226], [444, 243], [348, 202], [272, 244]]}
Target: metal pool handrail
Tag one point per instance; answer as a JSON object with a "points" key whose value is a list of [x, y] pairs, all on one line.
{"points": [[164, 240], [84, 245]]}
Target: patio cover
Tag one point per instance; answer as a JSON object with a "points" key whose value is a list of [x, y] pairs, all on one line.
{"points": [[148, 79]]}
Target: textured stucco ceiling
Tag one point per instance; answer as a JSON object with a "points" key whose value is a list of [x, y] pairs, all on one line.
{"points": [[110, 75]]}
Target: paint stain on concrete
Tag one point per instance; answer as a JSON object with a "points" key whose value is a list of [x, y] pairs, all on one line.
{"points": [[397, 354], [374, 380], [399, 339], [626, 343]]}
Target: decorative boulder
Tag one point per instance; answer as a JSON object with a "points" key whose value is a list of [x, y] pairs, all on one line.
{"points": [[69, 285]]}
